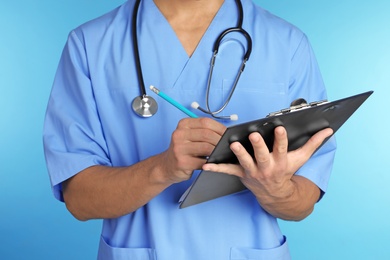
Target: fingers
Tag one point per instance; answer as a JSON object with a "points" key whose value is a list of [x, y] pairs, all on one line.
{"points": [[261, 152], [198, 130], [202, 123], [279, 158], [244, 158], [315, 141], [193, 140], [231, 169], [263, 158], [303, 154], [203, 130], [280, 146]]}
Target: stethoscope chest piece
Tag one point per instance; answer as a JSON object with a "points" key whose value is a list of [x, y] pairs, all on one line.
{"points": [[144, 106]]}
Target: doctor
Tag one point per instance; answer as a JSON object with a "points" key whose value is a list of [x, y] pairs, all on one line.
{"points": [[107, 162]]}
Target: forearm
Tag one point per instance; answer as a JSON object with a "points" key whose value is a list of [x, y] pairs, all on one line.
{"points": [[294, 204], [107, 192]]}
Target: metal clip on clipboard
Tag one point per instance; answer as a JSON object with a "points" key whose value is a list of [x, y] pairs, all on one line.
{"points": [[296, 105]]}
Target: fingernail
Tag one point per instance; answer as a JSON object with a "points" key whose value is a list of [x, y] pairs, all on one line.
{"points": [[255, 137], [235, 147], [280, 130], [206, 167]]}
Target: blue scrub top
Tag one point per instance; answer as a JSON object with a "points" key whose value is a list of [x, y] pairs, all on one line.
{"points": [[89, 121]]}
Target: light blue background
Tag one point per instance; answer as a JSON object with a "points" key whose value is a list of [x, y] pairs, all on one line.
{"points": [[352, 43]]}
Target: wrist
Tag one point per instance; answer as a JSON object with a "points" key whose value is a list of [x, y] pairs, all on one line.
{"points": [[280, 194], [278, 201], [154, 168]]}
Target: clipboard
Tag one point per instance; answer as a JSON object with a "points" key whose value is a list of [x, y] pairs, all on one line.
{"points": [[301, 121]]}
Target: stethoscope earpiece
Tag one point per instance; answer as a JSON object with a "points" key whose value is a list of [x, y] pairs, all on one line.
{"points": [[195, 105], [234, 117]]}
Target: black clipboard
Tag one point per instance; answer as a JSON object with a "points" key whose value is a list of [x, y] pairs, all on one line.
{"points": [[301, 122]]}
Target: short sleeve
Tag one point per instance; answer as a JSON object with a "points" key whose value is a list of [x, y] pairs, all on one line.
{"points": [[73, 137], [306, 82]]}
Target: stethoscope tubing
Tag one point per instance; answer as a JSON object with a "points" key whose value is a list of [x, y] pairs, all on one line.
{"points": [[146, 106], [241, 69], [232, 30], [136, 50], [246, 56]]}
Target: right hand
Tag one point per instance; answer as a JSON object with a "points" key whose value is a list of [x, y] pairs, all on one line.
{"points": [[193, 140]]}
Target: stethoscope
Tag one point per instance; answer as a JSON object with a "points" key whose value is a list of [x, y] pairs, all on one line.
{"points": [[146, 106]]}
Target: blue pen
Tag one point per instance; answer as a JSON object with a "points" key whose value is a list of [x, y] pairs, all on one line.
{"points": [[173, 102]]}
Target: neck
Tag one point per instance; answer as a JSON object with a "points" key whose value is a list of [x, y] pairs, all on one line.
{"points": [[189, 18], [188, 7]]}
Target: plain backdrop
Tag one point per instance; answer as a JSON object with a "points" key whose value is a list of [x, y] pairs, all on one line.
{"points": [[351, 40]]}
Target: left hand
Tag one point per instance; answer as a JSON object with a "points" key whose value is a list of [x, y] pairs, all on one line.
{"points": [[269, 175]]}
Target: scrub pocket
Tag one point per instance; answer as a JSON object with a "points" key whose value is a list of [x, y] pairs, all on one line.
{"points": [[107, 252], [278, 253]]}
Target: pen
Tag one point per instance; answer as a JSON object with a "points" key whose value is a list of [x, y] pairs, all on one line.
{"points": [[173, 102]]}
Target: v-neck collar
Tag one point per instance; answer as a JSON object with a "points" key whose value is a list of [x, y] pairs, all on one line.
{"points": [[162, 52], [218, 18]]}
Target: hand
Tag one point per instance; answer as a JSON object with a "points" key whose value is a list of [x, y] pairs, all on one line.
{"points": [[270, 175], [193, 140]]}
